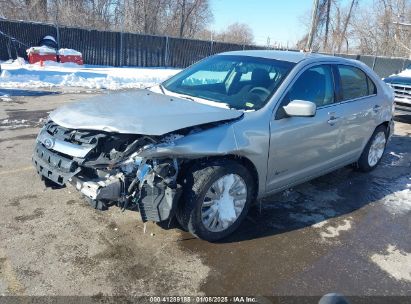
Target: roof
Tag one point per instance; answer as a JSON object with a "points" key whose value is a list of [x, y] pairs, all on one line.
{"points": [[291, 56]]}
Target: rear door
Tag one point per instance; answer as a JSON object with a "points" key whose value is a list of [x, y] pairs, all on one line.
{"points": [[358, 109], [303, 147]]}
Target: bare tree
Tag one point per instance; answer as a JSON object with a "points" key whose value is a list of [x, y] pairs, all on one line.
{"points": [[376, 32], [94, 14], [19, 10], [240, 33], [362, 27], [344, 30], [183, 18], [333, 27]]}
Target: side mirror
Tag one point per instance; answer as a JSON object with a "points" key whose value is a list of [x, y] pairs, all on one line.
{"points": [[300, 108]]}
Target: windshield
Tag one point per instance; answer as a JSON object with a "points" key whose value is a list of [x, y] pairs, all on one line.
{"points": [[241, 82]]}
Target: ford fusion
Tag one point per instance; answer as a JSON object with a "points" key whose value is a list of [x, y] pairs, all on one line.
{"points": [[218, 136]]}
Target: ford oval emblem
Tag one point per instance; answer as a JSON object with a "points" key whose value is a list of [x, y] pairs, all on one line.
{"points": [[48, 143]]}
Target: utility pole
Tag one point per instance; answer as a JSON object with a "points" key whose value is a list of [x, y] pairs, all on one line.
{"points": [[327, 24], [314, 17]]}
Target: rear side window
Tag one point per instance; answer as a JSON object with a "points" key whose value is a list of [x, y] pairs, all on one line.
{"points": [[372, 89], [355, 83]]}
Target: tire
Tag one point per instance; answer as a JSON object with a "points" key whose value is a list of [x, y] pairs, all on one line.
{"points": [[196, 186], [365, 164]]}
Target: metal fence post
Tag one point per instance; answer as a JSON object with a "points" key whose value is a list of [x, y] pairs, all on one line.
{"points": [[166, 63], [58, 35], [373, 62], [121, 49], [123, 17], [9, 49]]}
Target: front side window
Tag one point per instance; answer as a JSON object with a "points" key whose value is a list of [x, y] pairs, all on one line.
{"points": [[241, 82], [355, 83], [315, 84]]}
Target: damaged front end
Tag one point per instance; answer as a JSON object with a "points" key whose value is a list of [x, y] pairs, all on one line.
{"points": [[107, 169]]}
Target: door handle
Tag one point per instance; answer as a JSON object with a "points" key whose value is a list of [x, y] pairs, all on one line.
{"points": [[333, 120]]}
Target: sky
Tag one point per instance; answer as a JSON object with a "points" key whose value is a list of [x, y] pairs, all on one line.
{"points": [[278, 19]]}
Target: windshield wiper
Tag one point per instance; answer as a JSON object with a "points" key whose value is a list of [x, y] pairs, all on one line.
{"points": [[162, 89], [187, 97]]}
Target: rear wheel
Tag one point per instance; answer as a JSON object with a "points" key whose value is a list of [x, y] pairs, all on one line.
{"points": [[216, 199], [374, 150]]}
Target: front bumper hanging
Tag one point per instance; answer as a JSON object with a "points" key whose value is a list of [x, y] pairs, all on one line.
{"points": [[53, 166]]}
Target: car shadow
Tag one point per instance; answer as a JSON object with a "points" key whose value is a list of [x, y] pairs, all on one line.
{"points": [[338, 193], [330, 196]]}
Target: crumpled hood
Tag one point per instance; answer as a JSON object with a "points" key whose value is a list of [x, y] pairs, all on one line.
{"points": [[138, 112]]}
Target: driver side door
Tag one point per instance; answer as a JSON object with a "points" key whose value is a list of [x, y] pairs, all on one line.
{"points": [[305, 147]]}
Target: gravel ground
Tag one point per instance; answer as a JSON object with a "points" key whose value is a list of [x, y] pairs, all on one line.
{"points": [[345, 232]]}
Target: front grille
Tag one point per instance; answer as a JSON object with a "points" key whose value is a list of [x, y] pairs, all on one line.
{"points": [[402, 93], [53, 166]]}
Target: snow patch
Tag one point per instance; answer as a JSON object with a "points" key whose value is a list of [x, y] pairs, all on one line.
{"points": [[405, 73], [6, 98], [393, 159], [395, 262], [333, 232], [69, 52], [41, 50], [52, 74], [395, 154], [320, 224], [399, 202]]}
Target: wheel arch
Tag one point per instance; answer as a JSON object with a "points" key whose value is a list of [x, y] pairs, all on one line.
{"points": [[386, 124], [202, 162]]}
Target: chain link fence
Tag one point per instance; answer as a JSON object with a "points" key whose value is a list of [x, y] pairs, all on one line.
{"points": [[129, 49]]}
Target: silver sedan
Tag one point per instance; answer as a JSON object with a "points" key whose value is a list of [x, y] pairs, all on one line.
{"points": [[223, 133]]}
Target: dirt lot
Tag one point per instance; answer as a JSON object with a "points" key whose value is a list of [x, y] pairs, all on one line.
{"points": [[345, 232]]}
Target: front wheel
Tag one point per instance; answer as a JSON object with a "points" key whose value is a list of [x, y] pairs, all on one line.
{"points": [[216, 199], [374, 150]]}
